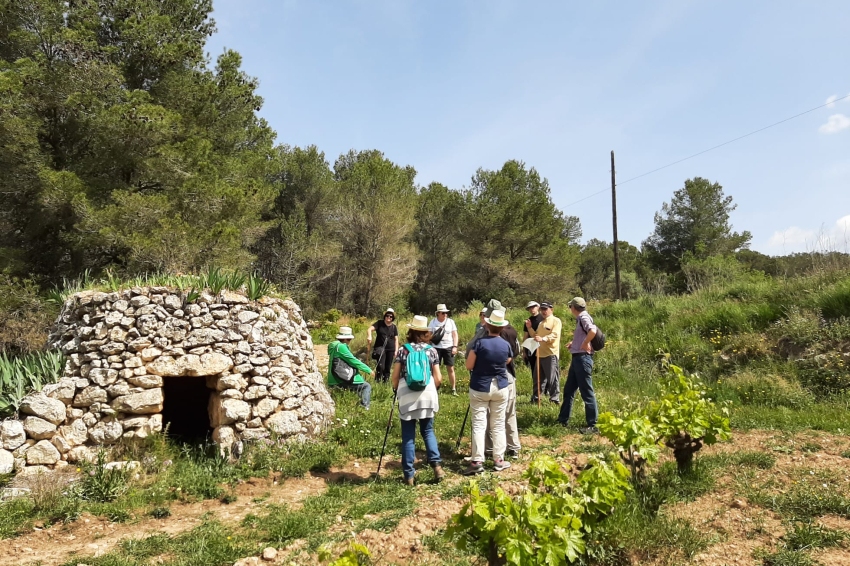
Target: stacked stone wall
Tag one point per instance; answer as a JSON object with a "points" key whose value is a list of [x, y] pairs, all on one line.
{"points": [[257, 358]]}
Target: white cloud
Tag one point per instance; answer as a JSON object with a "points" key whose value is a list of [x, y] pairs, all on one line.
{"points": [[835, 124], [796, 239], [830, 102]]}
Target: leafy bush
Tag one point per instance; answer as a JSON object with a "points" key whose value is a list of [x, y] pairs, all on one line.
{"points": [[685, 418], [550, 523], [835, 302], [355, 555], [21, 375], [25, 317], [826, 374]]}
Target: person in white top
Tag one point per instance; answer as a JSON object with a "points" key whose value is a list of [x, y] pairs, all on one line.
{"points": [[447, 347]]}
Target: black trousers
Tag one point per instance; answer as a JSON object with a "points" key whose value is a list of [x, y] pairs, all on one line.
{"points": [[384, 364]]}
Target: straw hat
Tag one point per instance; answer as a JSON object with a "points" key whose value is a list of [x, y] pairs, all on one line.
{"points": [[442, 308], [344, 333], [497, 318], [419, 323]]}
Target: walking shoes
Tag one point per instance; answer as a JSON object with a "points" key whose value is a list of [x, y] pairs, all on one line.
{"points": [[500, 465], [474, 468], [439, 474]]}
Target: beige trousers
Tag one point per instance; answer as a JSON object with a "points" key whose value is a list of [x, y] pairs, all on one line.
{"points": [[494, 402], [511, 428]]}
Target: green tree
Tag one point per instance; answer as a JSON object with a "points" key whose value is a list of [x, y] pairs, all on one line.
{"points": [[373, 221], [295, 253], [120, 146], [596, 276], [696, 222], [437, 236], [520, 244]]}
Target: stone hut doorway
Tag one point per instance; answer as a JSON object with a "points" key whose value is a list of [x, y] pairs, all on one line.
{"points": [[185, 408]]}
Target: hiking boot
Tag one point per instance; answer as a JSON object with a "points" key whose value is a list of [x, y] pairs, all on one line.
{"points": [[589, 430], [439, 474], [408, 481], [499, 465], [473, 469]]}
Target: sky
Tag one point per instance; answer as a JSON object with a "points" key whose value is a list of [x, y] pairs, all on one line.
{"points": [[452, 86]]}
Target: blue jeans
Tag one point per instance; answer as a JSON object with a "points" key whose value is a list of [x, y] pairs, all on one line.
{"points": [[579, 378], [363, 389], [408, 443]]}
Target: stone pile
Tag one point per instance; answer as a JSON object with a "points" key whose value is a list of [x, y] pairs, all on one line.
{"points": [[257, 358]]}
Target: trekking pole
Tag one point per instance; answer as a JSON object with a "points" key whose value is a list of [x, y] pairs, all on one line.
{"points": [[463, 426], [389, 424]]}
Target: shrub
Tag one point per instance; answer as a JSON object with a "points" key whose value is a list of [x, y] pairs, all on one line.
{"points": [[547, 525], [355, 555], [685, 418], [102, 484], [835, 302], [21, 375], [25, 317], [825, 375]]}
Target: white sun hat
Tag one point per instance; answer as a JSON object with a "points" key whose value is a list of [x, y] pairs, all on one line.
{"points": [[442, 308], [344, 333], [532, 304], [419, 323], [497, 318]]}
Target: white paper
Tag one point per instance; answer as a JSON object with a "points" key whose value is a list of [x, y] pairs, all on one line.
{"points": [[531, 345]]}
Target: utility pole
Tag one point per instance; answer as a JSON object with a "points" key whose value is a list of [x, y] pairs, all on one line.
{"points": [[616, 242]]}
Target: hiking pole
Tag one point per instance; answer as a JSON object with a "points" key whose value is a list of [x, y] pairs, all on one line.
{"points": [[463, 426], [389, 424]]}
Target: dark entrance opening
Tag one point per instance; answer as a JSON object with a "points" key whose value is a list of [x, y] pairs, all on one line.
{"points": [[184, 410]]}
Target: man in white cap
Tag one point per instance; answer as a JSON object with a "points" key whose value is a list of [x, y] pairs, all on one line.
{"points": [[447, 346], [338, 350]]}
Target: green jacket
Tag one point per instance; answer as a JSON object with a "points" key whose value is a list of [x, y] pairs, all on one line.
{"points": [[337, 349]]}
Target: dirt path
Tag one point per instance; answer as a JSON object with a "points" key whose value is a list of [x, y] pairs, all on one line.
{"points": [[321, 353]]}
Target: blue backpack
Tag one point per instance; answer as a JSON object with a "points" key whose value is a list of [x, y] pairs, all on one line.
{"points": [[418, 368]]}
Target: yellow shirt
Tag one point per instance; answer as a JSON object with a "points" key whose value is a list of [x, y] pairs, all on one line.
{"points": [[550, 331]]}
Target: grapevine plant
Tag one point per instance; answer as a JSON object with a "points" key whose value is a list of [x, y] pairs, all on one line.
{"points": [[546, 525], [635, 438], [685, 418]]}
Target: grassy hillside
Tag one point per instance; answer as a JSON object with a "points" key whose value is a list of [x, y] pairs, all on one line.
{"points": [[777, 350]]}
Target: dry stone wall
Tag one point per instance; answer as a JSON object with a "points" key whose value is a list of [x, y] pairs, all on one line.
{"points": [[256, 357]]}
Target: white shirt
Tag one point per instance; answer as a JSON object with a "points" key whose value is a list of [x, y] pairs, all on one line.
{"points": [[447, 342]]}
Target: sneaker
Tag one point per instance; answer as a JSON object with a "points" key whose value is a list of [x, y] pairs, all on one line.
{"points": [[408, 481], [500, 465], [454, 392], [589, 430], [439, 474], [473, 469], [513, 454]]}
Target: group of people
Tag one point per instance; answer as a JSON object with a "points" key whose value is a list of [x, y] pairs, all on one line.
{"points": [[490, 357]]}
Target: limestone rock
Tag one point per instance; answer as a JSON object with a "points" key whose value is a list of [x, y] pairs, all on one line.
{"points": [[284, 423], [105, 432], [7, 462], [81, 454], [265, 407], [75, 433], [143, 403], [90, 395], [227, 411], [103, 376], [193, 365], [245, 317], [231, 298], [39, 429], [203, 337], [40, 405], [145, 381], [12, 434], [63, 390], [43, 453]]}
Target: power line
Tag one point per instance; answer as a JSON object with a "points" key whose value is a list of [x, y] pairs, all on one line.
{"points": [[830, 103]]}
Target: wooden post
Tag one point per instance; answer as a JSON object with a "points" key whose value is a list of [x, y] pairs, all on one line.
{"points": [[616, 242]]}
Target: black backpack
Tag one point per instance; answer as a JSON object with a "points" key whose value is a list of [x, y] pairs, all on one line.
{"points": [[598, 341], [438, 334]]}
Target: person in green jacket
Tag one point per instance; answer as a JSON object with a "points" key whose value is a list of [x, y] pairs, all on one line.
{"points": [[339, 349]]}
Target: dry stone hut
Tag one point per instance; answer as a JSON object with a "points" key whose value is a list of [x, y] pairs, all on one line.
{"points": [[143, 359]]}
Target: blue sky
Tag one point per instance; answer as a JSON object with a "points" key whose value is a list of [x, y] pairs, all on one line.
{"points": [[449, 87]]}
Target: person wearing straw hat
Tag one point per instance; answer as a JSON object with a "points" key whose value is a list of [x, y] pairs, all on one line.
{"points": [[421, 405], [548, 336], [447, 347], [487, 362], [509, 335], [386, 344], [338, 349]]}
